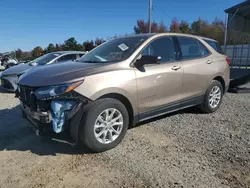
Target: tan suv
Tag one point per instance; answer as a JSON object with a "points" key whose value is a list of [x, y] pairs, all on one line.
{"points": [[122, 82]]}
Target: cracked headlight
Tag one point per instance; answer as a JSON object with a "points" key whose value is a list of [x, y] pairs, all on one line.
{"points": [[52, 91]]}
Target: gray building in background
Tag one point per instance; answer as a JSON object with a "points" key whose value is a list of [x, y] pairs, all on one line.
{"points": [[238, 17], [237, 34]]}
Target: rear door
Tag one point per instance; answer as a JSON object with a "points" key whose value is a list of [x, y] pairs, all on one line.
{"points": [[197, 63], [159, 85]]}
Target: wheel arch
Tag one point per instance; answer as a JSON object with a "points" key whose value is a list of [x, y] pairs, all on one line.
{"points": [[125, 101], [222, 81]]}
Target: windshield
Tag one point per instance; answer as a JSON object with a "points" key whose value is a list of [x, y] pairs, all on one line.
{"points": [[114, 50], [44, 59]]}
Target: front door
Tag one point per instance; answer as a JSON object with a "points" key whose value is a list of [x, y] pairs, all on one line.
{"points": [[159, 85]]}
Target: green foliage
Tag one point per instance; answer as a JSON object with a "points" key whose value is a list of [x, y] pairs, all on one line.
{"points": [[174, 27], [143, 27], [37, 51], [89, 45], [70, 44], [162, 28], [214, 30], [51, 48], [19, 53], [184, 27], [196, 26], [98, 41]]}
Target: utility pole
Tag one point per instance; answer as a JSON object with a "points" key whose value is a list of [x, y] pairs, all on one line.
{"points": [[226, 31], [150, 16]]}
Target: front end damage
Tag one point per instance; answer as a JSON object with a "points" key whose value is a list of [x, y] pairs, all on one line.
{"points": [[59, 109], [53, 115]]}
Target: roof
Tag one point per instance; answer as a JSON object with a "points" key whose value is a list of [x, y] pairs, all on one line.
{"points": [[148, 35], [187, 35], [243, 9], [142, 35]]}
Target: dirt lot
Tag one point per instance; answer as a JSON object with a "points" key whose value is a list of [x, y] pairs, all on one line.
{"points": [[185, 149]]}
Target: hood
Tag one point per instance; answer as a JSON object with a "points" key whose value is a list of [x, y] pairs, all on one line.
{"points": [[56, 74], [17, 70]]}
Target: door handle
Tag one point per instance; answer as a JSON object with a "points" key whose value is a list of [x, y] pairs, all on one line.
{"points": [[176, 68], [209, 61]]}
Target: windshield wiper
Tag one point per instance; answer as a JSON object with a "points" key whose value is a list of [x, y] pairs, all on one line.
{"points": [[95, 61], [90, 61]]}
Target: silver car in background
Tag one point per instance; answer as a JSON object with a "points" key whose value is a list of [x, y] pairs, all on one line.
{"points": [[9, 77]]}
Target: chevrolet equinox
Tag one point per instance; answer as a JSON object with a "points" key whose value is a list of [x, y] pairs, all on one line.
{"points": [[122, 82]]}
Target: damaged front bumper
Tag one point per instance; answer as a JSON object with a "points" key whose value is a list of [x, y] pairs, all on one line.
{"points": [[61, 116], [52, 115]]}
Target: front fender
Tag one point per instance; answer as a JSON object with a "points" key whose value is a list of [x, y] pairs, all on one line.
{"points": [[119, 91], [121, 82]]}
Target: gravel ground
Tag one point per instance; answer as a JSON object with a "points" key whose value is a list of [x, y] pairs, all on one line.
{"points": [[184, 149]]}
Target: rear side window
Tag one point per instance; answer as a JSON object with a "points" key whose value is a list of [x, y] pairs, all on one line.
{"points": [[192, 48], [215, 45], [163, 47], [69, 57], [203, 49]]}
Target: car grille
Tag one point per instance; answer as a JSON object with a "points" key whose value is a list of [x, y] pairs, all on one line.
{"points": [[28, 97], [6, 84]]}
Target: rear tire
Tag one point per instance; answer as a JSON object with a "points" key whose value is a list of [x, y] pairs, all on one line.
{"points": [[213, 97], [95, 122]]}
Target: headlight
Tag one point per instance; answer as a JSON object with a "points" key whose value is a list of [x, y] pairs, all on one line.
{"points": [[52, 91]]}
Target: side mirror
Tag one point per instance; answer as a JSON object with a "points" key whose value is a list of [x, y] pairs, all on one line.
{"points": [[148, 59]]}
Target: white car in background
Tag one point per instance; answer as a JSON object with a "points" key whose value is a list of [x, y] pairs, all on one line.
{"points": [[9, 77], [6, 62]]}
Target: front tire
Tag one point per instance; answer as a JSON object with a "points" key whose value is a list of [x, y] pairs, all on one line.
{"points": [[103, 125], [213, 97]]}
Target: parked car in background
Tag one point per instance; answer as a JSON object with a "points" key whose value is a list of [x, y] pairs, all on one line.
{"points": [[22, 62], [10, 76], [122, 82], [7, 61]]}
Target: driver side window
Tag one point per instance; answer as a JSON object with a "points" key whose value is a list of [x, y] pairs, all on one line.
{"points": [[161, 47]]}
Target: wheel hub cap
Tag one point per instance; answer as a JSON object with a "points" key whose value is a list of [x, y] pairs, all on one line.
{"points": [[215, 97], [108, 125]]}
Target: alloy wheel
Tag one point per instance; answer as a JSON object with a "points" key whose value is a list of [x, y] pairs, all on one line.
{"points": [[108, 126], [215, 97]]}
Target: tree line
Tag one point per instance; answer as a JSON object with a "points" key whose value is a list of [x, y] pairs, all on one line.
{"points": [[70, 44], [214, 30]]}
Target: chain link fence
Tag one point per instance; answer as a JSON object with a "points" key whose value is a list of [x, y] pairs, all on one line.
{"points": [[238, 49]]}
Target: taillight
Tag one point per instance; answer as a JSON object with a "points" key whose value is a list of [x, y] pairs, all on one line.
{"points": [[228, 60]]}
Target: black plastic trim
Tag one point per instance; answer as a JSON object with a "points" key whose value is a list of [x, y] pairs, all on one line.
{"points": [[169, 108]]}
